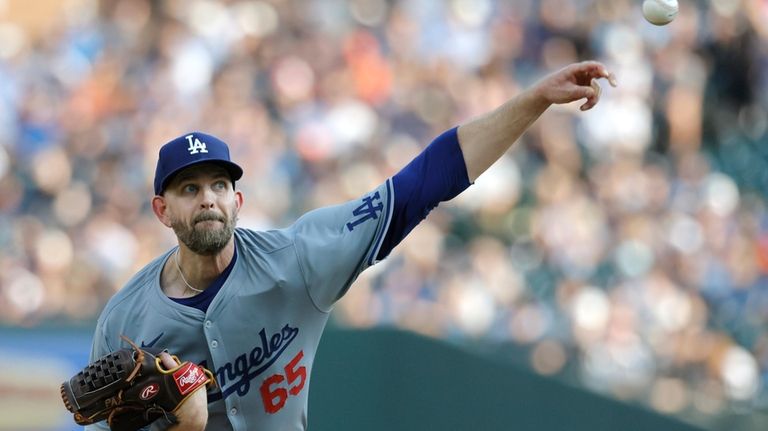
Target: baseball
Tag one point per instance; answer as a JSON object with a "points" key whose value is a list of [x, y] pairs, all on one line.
{"points": [[660, 12]]}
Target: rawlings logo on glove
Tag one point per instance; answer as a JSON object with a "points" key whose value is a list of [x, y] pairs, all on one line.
{"points": [[130, 388]]}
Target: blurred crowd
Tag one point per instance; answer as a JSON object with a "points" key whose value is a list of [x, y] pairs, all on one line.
{"points": [[629, 242]]}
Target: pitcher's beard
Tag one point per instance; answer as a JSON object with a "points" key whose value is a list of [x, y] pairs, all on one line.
{"points": [[205, 242]]}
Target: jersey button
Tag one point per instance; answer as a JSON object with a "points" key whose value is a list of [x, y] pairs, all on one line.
{"points": [[208, 323], [233, 411], [214, 344]]}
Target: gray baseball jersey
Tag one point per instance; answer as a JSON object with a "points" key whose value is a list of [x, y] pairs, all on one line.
{"points": [[260, 334]]}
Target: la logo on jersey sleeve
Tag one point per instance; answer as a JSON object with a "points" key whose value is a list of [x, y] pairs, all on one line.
{"points": [[366, 211]]}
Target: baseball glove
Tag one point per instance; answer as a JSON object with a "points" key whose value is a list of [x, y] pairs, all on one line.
{"points": [[130, 389]]}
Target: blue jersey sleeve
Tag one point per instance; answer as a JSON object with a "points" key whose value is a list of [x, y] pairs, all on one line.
{"points": [[438, 174], [335, 244]]}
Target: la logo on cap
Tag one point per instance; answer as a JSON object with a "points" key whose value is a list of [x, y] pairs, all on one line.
{"points": [[190, 149], [196, 145]]}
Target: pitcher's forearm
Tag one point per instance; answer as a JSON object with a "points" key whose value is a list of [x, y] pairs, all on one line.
{"points": [[485, 139]]}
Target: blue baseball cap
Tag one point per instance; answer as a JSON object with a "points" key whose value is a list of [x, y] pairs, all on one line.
{"points": [[191, 149]]}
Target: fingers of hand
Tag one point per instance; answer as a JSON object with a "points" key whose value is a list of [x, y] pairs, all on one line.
{"points": [[593, 97], [594, 69], [167, 361]]}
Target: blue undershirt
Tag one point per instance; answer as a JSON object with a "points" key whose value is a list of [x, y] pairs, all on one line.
{"points": [[203, 300], [436, 175]]}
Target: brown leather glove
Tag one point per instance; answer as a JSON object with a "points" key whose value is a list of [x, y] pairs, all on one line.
{"points": [[130, 389]]}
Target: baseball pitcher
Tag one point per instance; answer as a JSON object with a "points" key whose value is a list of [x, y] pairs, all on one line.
{"points": [[250, 306]]}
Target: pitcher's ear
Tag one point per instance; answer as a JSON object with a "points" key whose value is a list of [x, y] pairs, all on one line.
{"points": [[239, 199], [160, 208]]}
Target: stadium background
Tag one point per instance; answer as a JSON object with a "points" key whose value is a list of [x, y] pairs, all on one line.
{"points": [[623, 250]]}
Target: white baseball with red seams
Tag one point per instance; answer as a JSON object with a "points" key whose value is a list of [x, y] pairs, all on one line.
{"points": [[660, 12]]}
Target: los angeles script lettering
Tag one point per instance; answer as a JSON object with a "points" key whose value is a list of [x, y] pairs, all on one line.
{"points": [[236, 376]]}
